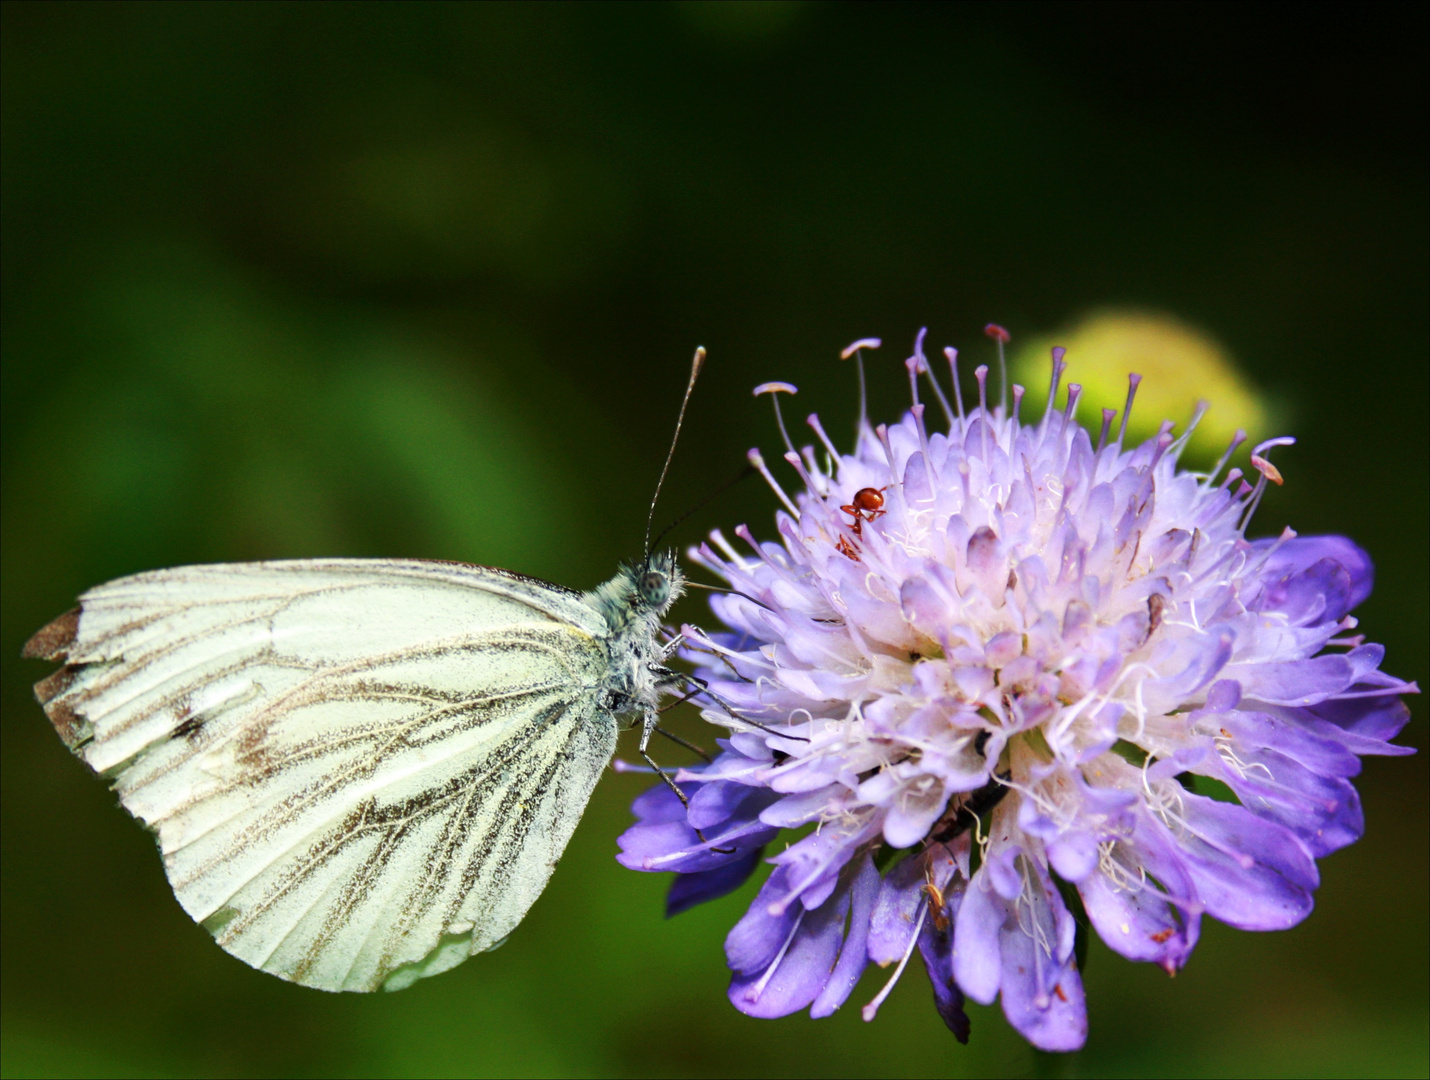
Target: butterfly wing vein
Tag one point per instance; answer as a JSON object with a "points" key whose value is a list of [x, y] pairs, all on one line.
{"points": [[359, 772]]}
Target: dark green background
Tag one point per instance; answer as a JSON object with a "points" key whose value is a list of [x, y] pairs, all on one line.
{"points": [[424, 280]]}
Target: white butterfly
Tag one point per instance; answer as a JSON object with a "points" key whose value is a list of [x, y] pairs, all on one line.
{"points": [[360, 771]]}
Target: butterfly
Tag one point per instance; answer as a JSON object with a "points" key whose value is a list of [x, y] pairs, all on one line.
{"points": [[359, 771]]}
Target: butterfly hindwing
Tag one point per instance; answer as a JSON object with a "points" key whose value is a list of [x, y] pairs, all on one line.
{"points": [[359, 771]]}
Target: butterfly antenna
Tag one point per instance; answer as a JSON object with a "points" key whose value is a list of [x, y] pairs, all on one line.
{"points": [[695, 366], [731, 592], [743, 474]]}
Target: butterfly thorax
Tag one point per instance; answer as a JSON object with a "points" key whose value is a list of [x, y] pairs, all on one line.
{"points": [[633, 603]]}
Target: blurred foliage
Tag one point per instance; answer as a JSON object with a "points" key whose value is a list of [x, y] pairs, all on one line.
{"points": [[285, 280]]}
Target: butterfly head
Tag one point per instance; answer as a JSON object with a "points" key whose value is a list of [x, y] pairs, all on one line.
{"points": [[641, 593], [658, 582]]}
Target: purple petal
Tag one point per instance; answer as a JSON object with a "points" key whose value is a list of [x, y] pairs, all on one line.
{"points": [[1299, 555], [936, 947], [657, 805], [1324, 811], [1041, 988], [640, 844], [853, 956], [1294, 739], [715, 803], [674, 845], [1294, 682], [1141, 902], [1320, 594], [795, 976], [1248, 872], [1368, 721], [755, 941], [977, 966], [896, 911], [688, 890]]}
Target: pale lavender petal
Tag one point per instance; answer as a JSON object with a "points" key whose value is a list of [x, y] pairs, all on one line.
{"points": [[814, 863], [912, 813], [977, 966]]}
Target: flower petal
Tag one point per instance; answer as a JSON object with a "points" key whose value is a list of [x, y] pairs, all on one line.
{"points": [[977, 955], [688, 890], [853, 956], [797, 974], [1248, 872]]}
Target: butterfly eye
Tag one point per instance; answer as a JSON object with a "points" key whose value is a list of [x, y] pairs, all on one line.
{"points": [[655, 587]]}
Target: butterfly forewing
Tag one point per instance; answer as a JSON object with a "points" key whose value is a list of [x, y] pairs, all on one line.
{"points": [[359, 771]]}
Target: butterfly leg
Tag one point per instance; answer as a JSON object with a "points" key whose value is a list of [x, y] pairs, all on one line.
{"points": [[676, 738], [681, 742], [650, 725], [671, 647], [702, 687]]}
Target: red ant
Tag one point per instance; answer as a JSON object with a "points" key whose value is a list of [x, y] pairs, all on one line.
{"points": [[866, 505]]}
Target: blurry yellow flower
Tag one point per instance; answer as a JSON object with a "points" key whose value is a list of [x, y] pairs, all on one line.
{"points": [[1180, 366]]}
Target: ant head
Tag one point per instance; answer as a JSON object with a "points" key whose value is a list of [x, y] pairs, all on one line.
{"points": [[867, 499]]}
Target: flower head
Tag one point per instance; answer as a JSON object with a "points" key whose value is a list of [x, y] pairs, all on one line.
{"points": [[1017, 678]]}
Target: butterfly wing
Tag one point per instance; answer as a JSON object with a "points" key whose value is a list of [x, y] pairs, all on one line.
{"points": [[359, 771]]}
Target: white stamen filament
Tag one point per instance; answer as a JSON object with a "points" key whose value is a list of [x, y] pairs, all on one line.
{"points": [[952, 354], [759, 463], [753, 994], [872, 1009]]}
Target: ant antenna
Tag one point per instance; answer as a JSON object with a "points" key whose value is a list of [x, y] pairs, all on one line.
{"points": [[695, 366]]}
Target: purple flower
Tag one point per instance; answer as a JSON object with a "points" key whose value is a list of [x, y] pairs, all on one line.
{"points": [[1004, 670]]}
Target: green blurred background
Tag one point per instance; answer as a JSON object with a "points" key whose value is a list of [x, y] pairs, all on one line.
{"points": [[290, 280]]}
